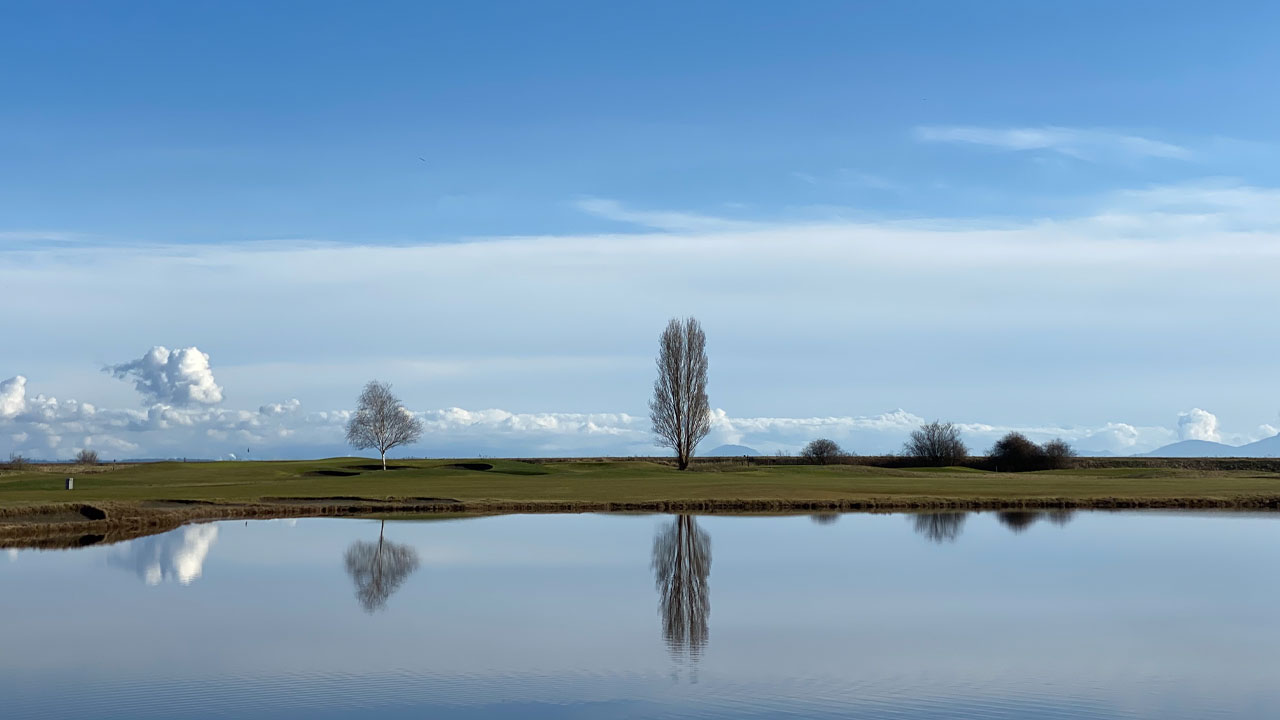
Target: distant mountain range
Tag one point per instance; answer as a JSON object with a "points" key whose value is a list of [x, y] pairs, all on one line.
{"points": [[1265, 448], [730, 451]]}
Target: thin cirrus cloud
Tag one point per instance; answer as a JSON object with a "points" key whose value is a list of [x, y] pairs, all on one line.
{"points": [[1080, 143], [658, 219]]}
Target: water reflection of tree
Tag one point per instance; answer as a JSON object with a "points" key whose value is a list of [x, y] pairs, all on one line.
{"points": [[378, 569], [940, 527], [1018, 520], [825, 518], [1061, 517], [681, 566]]}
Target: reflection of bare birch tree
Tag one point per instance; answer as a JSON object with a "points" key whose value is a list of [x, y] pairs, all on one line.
{"points": [[681, 566], [940, 527], [378, 569]]}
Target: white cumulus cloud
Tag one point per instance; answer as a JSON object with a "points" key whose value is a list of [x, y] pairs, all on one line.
{"points": [[1197, 424], [176, 377], [13, 396]]}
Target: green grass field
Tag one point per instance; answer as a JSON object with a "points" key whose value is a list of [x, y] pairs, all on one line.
{"points": [[609, 482]]}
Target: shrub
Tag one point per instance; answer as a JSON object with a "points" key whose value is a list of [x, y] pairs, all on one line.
{"points": [[1058, 454], [87, 457], [1015, 453], [936, 444], [17, 462], [822, 451]]}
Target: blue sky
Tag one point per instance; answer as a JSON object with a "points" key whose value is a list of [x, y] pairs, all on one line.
{"points": [[1053, 216]]}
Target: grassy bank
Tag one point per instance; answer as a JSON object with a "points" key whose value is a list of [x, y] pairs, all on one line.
{"points": [[149, 497]]}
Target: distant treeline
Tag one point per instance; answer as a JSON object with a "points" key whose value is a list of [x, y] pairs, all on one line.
{"points": [[977, 462]]}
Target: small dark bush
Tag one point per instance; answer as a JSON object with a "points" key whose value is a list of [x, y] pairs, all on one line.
{"points": [[822, 451], [936, 444], [1058, 454], [87, 457], [1015, 453]]}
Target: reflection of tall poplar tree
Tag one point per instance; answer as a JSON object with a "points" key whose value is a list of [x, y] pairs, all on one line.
{"points": [[681, 565], [940, 527], [378, 569]]}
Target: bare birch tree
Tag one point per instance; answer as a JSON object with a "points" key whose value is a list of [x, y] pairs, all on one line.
{"points": [[679, 409], [381, 422]]}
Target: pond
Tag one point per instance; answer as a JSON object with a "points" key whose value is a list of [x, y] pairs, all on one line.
{"points": [[1016, 615]]}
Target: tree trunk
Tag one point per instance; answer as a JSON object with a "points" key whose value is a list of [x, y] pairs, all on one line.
{"points": [[384, 460]]}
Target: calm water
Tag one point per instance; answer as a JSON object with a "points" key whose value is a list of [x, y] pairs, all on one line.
{"points": [[1018, 615]]}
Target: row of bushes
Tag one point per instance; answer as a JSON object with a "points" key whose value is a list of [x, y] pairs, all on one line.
{"points": [[938, 444], [18, 462]]}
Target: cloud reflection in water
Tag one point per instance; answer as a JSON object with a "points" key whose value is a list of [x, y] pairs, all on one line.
{"points": [[174, 556]]}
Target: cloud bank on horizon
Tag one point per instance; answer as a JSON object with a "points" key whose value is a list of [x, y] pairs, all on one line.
{"points": [[44, 427]]}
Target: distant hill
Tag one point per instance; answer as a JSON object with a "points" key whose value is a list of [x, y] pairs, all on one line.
{"points": [[731, 451], [1267, 448], [1204, 448]]}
